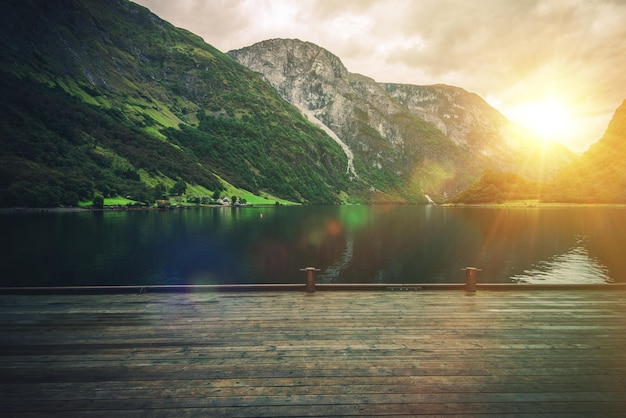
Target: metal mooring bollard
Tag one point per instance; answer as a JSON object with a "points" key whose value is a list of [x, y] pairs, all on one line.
{"points": [[310, 278], [470, 278]]}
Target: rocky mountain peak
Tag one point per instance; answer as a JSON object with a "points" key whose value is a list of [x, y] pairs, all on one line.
{"points": [[295, 57], [298, 70]]}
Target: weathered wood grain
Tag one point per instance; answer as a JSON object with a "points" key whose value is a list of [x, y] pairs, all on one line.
{"points": [[339, 353]]}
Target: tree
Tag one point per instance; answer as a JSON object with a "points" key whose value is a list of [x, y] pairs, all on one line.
{"points": [[98, 201], [69, 198], [233, 200], [159, 192], [179, 188]]}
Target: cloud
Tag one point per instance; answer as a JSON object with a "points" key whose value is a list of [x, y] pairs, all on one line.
{"points": [[506, 50]]}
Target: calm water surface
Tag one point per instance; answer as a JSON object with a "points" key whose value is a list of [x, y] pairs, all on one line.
{"points": [[350, 244]]}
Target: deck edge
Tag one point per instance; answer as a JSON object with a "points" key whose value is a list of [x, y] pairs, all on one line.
{"points": [[278, 287]]}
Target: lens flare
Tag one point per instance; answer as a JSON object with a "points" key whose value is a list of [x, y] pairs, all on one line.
{"points": [[334, 227]]}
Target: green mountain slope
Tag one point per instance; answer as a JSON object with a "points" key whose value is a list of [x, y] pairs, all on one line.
{"points": [[103, 96]]}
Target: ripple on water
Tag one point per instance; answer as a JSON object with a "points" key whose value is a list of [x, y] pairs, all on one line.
{"points": [[573, 267]]}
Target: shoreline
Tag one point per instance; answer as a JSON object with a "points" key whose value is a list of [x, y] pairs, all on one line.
{"points": [[531, 204], [6, 211], [505, 205]]}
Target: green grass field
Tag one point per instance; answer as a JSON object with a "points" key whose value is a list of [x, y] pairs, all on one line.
{"points": [[109, 201], [250, 199]]}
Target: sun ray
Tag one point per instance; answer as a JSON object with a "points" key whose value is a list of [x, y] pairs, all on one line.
{"points": [[547, 117]]}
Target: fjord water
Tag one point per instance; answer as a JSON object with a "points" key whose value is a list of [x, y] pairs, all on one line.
{"points": [[350, 244]]}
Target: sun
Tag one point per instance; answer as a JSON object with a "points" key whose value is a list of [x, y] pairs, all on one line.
{"points": [[548, 118]]}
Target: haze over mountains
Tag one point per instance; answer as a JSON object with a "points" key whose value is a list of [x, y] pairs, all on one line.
{"points": [[103, 96], [599, 175]]}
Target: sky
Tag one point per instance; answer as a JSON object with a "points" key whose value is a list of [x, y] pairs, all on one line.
{"points": [[555, 66]]}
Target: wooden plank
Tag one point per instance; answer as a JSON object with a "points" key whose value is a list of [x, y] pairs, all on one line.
{"points": [[190, 389], [331, 353], [339, 405]]}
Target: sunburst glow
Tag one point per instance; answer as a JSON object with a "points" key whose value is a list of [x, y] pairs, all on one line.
{"points": [[549, 118]]}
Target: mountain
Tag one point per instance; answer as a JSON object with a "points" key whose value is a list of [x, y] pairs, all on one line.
{"points": [[599, 175], [102, 96], [406, 142]]}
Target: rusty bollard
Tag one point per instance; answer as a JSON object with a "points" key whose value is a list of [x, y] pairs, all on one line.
{"points": [[310, 278], [470, 278]]}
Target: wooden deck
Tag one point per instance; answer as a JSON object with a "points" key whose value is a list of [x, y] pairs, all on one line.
{"points": [[391, 353]]}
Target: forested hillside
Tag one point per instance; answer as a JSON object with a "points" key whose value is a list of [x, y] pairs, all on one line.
{"points": [[101, 96]]}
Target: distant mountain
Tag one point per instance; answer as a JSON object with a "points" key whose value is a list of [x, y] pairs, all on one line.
{"points": [[102, 96], [599, 175], [403, 141]]}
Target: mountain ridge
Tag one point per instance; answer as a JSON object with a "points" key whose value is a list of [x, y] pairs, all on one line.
{"points": [[435, 140], [105, 97]]}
